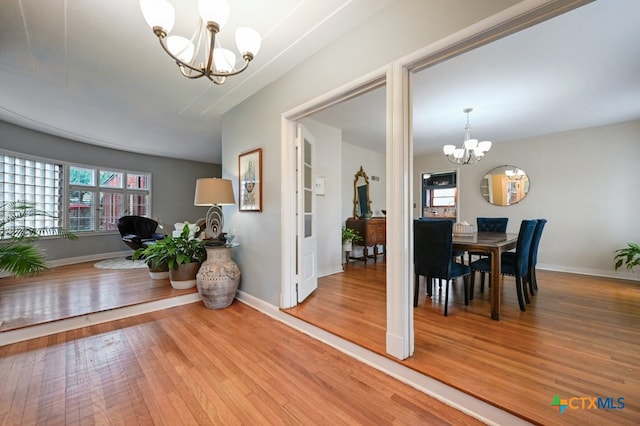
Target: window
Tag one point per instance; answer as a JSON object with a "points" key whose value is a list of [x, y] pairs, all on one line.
{"points": [[96, 197], [36, 182], [443, 197]]}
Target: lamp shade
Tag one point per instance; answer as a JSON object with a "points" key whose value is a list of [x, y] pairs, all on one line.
{"points": [[248, 40], [213, 191], [158, 13], [214, 11]]}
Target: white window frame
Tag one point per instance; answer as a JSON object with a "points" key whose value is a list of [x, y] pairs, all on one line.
{"points": [[65, 188]]}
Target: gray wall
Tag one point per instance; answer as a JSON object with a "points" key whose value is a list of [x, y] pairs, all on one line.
{"points": [[584, 182], [397, 30], [173, 184]]}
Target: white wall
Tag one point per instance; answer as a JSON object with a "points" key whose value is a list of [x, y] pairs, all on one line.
{"points": [[401, 28], [584, 182]]}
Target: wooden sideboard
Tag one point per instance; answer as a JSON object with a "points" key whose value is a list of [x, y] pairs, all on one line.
{"points": [[373, 232]]}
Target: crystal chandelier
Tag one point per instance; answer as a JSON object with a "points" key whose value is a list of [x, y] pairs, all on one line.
{"points": [[471, 151], [202, 55]]}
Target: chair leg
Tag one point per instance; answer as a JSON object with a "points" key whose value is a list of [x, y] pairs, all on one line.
{"points": [[416, 288], [519, 283], [472, 283], [465, 281], [429, 283], [446, 298], [482, 274], [525, 292], [533, 282]]}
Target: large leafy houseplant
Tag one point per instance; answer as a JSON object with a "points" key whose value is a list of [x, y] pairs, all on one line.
{"points": [[19, 255], [174, 251], [629, 256]]}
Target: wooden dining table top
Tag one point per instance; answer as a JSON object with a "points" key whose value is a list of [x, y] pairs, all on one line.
{"points": [[485, 240]]}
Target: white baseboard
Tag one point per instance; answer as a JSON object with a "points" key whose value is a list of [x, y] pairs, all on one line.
{"points": [[616, 275]]}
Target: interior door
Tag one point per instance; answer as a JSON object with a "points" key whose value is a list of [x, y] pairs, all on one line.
{"points": [[307, 273]]}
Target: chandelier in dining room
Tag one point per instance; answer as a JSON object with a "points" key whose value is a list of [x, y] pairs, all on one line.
{"points": [[471, 150], [201, 55]]}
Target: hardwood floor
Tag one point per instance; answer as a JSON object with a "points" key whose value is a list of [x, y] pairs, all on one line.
{"points": [[580, 337], [75, 290], [192, 365]]}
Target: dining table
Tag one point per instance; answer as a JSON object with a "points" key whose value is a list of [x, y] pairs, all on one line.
{"points": [[494, 244]]}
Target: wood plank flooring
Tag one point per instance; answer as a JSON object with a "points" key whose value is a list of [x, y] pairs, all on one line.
{"points": [[75, 290], [192, 365], [580, 337]]}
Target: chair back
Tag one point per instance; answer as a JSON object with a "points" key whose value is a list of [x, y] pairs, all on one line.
{"points": [[140, 226], [535, 242], [523, 246], [492, 224], [433, 247]]}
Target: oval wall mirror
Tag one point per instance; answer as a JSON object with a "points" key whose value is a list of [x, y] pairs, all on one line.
{"points": [[504, 185]]}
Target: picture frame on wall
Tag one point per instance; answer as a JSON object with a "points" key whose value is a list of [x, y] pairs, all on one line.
{"points": [[250, 181]]}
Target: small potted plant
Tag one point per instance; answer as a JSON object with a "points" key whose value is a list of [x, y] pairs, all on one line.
{"points": [[629, 256], [349, 236], [183, 255], [156, 257]]}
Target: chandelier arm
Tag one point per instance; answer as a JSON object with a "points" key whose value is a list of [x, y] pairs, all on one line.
{"points": [[247, 59], [188, 75], [213, 29], [217, 79], [178, 61], [201, 73]]}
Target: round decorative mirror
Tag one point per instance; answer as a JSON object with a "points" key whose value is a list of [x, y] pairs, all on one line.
{"points": [[505, 185]]}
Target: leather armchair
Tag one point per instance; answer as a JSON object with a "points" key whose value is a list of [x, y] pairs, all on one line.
{"points": [[138, 230]]}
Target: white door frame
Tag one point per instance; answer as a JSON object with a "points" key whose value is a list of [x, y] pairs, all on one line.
{"points": [[288, 160], [399, 162]]}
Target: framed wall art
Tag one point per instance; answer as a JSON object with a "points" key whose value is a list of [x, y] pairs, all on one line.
{"points": [[250, 184]]}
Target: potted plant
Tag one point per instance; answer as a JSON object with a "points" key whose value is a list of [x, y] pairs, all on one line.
{"points": [[629, 256], [156, 257], [349, 236], [183, 255], [19, 255]]}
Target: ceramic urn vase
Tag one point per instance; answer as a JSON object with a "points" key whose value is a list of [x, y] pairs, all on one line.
{"points": [[218, 278]]}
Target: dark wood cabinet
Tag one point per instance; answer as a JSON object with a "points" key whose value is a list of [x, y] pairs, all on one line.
{"points": [[373, 232]]}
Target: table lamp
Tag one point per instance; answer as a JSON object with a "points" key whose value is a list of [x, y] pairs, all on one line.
{"points": [[214, 192]]}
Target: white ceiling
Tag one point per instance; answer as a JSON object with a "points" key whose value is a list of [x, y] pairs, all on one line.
{"points": [[580, 69], [93, 71]]}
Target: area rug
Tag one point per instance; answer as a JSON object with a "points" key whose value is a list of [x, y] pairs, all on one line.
{"points": [[120, 263]]}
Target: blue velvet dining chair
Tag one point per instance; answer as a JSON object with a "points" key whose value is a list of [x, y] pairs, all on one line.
{"points": [[433, 258], [456, 253], [515, 264], [533, 256], [488, 224]]}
